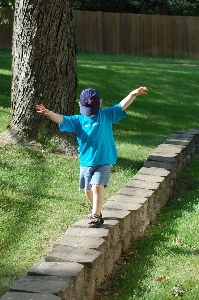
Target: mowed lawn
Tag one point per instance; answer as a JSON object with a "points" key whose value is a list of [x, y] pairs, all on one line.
{"points": [[39, 189]]}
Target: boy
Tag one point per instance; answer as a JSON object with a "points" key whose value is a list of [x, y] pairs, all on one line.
{"points": [[96, 143]]}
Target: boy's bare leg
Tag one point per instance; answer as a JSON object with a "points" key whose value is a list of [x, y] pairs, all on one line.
{"points": [[89, 195], [98, 198]]}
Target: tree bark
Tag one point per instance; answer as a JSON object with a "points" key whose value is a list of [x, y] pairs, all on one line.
{"points": [[43, 71]]}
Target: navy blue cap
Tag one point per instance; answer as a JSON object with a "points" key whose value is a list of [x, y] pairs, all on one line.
{"points": [[89, 102]]}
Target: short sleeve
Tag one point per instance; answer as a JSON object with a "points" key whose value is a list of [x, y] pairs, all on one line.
{"points": [[69, 124], [115, 113]]}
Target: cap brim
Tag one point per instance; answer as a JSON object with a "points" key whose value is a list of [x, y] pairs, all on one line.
{"points": [[88, 111]]}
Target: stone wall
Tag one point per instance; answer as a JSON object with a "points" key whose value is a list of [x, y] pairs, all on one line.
{"points": [[82, 258]]}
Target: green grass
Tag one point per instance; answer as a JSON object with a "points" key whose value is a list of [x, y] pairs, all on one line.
{"points": [[164, 263], [5, 87], [171, 104], [39, 190]]}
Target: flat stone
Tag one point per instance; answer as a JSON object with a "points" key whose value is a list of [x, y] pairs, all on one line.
{"points": [[70, 254], [138, 211], [95, 232], [83, 223], [165, 158], [145, 202], [143, 184], [61, 269], [192, 131], [152, 179], [186, 136], [170, 148], [123, 217], [86, 242], [183, 149], [154, 171], [111, 225], [42, 284], [177, 142], [158, 164], [88, 232], [128, 198], [162, 154], [28, 296], [132, 191], [119, 205], [114, 214], [91, 259], [149, 178], [71, 270], [114, 229]]}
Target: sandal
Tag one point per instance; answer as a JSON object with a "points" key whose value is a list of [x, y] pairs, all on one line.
{"points": [[95, 222], [102, 220]]}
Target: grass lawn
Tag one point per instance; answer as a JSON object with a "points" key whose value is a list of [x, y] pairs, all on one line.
{"points": [[39, 190], [163, 264]]}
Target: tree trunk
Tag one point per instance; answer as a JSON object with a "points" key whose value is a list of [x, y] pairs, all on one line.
{"points": [[43, 71]]}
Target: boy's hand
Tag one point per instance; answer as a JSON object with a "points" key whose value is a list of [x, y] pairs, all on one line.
{"points": [[42, 110], [140, 91], [57, 118], [129, 99]]}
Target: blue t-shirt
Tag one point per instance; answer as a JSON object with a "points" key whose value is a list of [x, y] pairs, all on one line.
{"points": [[95, 138]]}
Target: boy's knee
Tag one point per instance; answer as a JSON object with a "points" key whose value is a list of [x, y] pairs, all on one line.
{"points": [[96, 187]]}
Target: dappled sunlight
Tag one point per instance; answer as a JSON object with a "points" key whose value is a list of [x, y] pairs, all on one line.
{"points": [[5, 72], [40, 194], [32, 184]]}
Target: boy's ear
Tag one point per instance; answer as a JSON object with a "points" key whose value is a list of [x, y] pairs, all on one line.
{"points": [[100, 102]]}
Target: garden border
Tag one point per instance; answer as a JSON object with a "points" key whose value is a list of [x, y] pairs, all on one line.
{"points": [[82, 258]]}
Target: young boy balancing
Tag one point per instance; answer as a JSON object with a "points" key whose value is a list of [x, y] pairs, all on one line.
{"points": [[96, 143]]}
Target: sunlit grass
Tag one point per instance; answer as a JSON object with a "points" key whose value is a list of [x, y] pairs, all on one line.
{"points": [[163, 264], [39, 190]]}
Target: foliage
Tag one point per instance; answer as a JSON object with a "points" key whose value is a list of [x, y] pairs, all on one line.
{"points": [[3, 5], [166, 7], [105, 6], [163, 7]]}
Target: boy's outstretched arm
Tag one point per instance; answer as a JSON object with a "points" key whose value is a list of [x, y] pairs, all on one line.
{"points": [[129, 99], [50, 114]]}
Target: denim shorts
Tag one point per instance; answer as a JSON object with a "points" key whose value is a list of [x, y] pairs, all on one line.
{"points": [[94, 175]]}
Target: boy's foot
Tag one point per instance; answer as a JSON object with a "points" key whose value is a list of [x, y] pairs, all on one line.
{"points": [[95, 222], [102, 220]]}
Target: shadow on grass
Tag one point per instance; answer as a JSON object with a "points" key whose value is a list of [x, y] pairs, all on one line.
{"points": [[5, 91], [20, 205], [20, 200], [151, 116], [125, 163], [27, 207]]}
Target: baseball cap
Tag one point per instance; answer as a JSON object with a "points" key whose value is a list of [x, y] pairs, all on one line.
{"points": [[89, 102]]}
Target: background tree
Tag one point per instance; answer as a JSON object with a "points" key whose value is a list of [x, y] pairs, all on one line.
{"points": [[43, 70], [3, 5], [165, 7]]}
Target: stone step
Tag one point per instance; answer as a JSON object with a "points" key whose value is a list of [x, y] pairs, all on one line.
{"points": [[28, 296]]}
